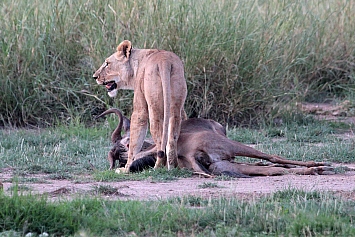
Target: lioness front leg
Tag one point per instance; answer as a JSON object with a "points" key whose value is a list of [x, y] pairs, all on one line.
{"points": [[137, 135]]}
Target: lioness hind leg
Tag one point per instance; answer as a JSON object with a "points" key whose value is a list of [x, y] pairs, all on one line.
{"points": [[156, 130], [171, 148], [171, 152]]}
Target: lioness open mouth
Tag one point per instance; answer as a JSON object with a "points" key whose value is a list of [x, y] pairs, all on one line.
{"points": [[110, 86]]}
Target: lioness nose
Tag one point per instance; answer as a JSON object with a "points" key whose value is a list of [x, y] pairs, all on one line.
{"points": [[95, 77]]}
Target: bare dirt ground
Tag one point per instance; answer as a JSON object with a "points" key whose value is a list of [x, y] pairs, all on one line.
{"points": [[340, 184]]}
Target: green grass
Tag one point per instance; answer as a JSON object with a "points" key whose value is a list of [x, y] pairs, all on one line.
{"points": [[243, 60], [67, 152], [208, 185], [62, 150], [158, 175], [309, 140], [105, 190], [289, 213], [63, 153], [339, 151]]}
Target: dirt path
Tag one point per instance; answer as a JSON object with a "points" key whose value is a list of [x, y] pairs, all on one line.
{"points": [[342, 184]]}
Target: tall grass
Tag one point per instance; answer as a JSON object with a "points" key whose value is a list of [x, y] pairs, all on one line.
{"points": [[66, 150], [242, 59]]}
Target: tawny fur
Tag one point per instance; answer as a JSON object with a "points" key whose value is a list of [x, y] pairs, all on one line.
{"points": [[204, 148], [157, 78]]}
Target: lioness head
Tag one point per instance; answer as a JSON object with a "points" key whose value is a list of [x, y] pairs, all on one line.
{"points": [[116, 72]]}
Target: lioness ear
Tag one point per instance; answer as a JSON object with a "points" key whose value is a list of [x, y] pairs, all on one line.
{"points": [[124, 48]]}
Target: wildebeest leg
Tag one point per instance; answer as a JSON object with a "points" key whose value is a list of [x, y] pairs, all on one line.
{"points": [[189, 162], [252, 170], [243, 150]]}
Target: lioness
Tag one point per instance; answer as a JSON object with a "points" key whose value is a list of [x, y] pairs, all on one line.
{"points": [[157, 78], [204, 148]]}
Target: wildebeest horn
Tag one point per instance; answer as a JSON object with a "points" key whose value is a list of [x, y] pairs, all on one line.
{"points": [[116, 135], [126, 124]]}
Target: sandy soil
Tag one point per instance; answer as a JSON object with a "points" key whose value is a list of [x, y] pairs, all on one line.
{"points": [[340, 184]]}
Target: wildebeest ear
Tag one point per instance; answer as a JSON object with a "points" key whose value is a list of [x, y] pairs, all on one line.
{"points": [[124, 48]]}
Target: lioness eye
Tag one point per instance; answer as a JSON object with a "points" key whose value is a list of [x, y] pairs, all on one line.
{"points": [[106, 64]]}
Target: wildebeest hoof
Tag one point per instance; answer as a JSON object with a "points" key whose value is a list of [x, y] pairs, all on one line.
{"points": [[325, 170]]}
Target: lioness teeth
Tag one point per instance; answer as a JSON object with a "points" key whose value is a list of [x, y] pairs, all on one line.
{"points": [[111, 85]]}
